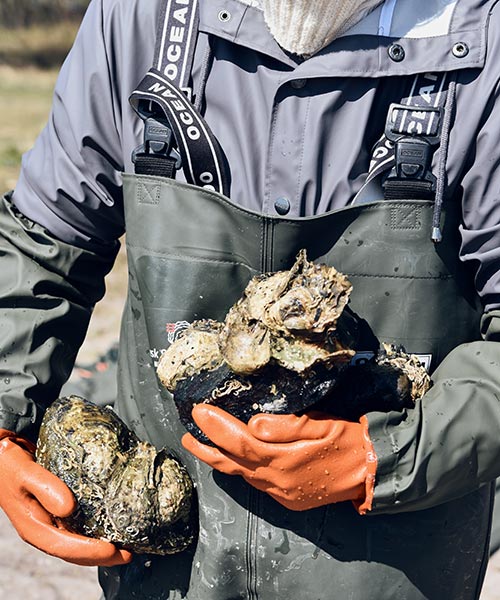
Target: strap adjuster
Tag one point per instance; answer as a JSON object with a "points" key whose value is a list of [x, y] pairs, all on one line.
{"points": [[422, 122], [413, 130], [158, 142]]}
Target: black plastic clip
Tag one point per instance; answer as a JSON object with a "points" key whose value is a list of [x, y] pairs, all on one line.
{"points": [[158, 142], [414, 131], [405, 120], [413, 161]]}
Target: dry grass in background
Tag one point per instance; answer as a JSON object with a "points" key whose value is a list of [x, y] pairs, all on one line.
{"points": [[25, 98], [42, 46]]}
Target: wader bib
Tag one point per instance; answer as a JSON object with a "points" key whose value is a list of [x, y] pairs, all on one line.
{"points": [[191, 253]]}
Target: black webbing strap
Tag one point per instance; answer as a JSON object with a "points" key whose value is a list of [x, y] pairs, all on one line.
{"points": [[176, 41], [151, 165], [201, 155], [163, 101], [401, 189], [412, 132]]}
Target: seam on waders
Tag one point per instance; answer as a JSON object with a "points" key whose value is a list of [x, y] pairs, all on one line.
{"points": [[262, 244], [297, 222], [156, 252], [321, 530], [395, 459], [266, 245], [270, 244], [251, 539]]}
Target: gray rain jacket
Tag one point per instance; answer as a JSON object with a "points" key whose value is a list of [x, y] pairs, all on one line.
{"points": [[299, 130]]}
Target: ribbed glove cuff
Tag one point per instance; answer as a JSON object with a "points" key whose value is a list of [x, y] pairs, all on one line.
{"points": [[365, 505]]}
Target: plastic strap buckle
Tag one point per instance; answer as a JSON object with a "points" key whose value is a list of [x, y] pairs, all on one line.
{"points": [[414, 130], [158, 142], [413, 161]]}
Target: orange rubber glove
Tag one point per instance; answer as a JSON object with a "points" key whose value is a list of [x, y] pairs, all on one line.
{"points": [[302, 462], [33, 499]]}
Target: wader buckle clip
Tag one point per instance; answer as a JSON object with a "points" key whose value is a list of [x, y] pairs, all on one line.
{"points": [[414, 130], [413, 161], [158, 141]]}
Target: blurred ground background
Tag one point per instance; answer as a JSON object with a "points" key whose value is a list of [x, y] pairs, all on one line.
{"points": [[35, 36]]}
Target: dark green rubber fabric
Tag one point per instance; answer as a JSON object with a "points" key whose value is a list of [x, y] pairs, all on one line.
{"points": [[448, 442], [190, 253], [47, 291]]}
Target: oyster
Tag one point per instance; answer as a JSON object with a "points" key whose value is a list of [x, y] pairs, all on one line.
{"points": [[279, 349], [127, 492], [392, 380], [285, 318], [285, 346], [288, 319]]}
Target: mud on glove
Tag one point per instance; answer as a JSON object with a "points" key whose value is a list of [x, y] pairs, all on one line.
{"points": [[301, 461], [33, 498]]}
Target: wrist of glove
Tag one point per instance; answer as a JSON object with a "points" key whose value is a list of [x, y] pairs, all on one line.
{"points": [[35, 500], [301, 461]]}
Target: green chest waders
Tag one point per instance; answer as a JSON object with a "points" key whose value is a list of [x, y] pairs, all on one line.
{"points": [[190, 254]]}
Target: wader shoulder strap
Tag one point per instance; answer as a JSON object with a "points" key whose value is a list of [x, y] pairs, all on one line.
{"points": [[412, 133], [163, 101], [176, 41]]}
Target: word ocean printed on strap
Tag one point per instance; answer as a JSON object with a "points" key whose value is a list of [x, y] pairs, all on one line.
{"points": [[162, 100]]}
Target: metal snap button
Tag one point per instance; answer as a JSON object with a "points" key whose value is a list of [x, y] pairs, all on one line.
{"points": [[460, 49], [282, 206], [298, 83], [224, 16], [396, 52]]}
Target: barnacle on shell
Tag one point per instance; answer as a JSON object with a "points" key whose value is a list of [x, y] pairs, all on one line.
{"points": [[127, 492]]}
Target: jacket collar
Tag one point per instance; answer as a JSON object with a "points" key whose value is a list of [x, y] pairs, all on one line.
{"points": [[428, 33]]}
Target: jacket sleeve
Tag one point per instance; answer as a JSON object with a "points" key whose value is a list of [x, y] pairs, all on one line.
{"points": [[70, 181], [47, 292], [449, 444], [59, 230]]}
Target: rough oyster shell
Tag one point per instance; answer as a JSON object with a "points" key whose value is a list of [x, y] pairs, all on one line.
{"points": [[392, 380], [127, 492], [283, 347], [285, 317], [289, 319]]}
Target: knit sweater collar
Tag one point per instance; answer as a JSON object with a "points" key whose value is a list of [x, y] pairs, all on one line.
{"points": [[304, 27]]}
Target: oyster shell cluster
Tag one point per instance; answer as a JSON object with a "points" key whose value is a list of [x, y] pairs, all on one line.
{"points": [[284, 346], [127, 492]]}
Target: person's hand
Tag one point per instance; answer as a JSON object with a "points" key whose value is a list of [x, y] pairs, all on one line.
{"points": [[34, 500], [301, 461]]}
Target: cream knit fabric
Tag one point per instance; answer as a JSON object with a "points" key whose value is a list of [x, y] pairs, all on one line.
{"points": [[303, 27]]}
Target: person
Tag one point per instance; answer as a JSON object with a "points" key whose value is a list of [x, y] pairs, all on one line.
{"points": [[363, 131]]}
